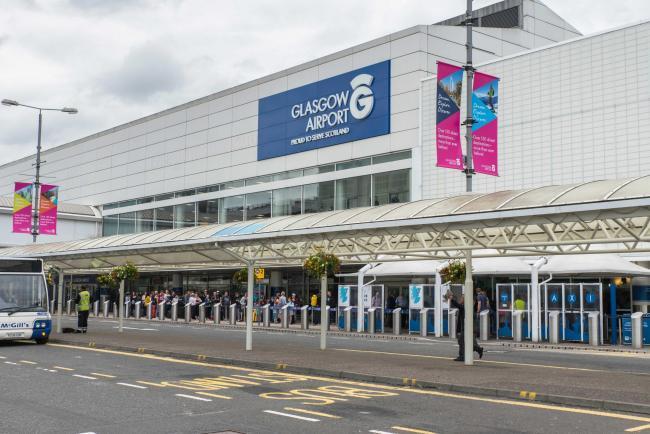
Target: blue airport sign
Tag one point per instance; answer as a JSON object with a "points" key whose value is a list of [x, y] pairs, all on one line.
{"points": [[340, 109]]}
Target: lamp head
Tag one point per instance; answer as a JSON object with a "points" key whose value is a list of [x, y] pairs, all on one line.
{"points": [[9, 102], [70, 110]]}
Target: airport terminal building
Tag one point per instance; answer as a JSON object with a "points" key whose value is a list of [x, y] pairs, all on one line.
{"points": [[357, 129]]}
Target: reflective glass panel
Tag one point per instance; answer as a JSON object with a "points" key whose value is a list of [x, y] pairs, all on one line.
{"points": [[184, 215], [164, 217], [287, 201], [144, 220], [258, 205], [127, 223], [208, 212], [391, 187], [109, 226], [231, 209], [353, 192], [319, 197]]}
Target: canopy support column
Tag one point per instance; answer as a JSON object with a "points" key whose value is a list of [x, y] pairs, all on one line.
{"points": [[360, 290], [121, 308], [249, 306], [438, 306], [59, 302], [535, 302], [324, 314], [468, 325]]}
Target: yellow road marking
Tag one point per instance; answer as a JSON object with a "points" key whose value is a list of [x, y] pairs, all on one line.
{"points": [[103, 375], [150, 384], [28, 362], [419, 431], [214, 395], [62, 368], [373, 385], [312, 412], [423, 356], [638, 428]]}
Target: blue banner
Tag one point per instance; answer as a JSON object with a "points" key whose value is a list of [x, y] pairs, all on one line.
{"points": [[340, 109]]}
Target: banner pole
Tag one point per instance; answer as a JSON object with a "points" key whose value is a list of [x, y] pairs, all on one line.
{"points": [[37, 183], [469, 169]]}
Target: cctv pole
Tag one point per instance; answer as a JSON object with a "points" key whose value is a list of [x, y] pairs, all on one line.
{"points": [[468, 325]]}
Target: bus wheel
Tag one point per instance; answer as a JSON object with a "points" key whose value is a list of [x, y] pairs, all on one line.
{"points": [[41, 341]]}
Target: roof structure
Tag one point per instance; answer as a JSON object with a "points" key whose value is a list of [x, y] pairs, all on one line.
{"points": [[591, 217]]}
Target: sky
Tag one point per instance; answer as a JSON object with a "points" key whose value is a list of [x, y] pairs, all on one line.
{"points": [[120, 60]]}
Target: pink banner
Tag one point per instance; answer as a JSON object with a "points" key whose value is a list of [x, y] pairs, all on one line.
{"points": [[47, 209], [450, 87], [485, 105], [22, 215]]}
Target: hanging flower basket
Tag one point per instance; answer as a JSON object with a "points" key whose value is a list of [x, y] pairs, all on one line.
{"points": [[322, 263], [106, 281], [127, 272], [454, 272], [240, 276]]}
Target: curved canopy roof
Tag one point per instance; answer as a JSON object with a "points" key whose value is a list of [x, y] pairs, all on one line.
{"points": [[552, 219]]}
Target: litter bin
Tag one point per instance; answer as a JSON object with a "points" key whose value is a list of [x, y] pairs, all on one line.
{"points": [[397, 321], [594, 329], [484, 325], [516, 325], [554, 327]]}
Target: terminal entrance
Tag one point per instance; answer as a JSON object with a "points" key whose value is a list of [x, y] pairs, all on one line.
{"points": [[574, 301], [512, 297], [347, 307]]}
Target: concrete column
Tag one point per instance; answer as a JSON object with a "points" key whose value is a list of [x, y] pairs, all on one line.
{"points": [[249, 307], [121, 304], [468, 325], [438, 312], [59, 312], [360, 279], [535, 311]]}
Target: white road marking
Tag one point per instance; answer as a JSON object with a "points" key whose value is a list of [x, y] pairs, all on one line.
{"points": [[11, 363], [2, 357], [137, 328], [87, 377], [28, 362], [135, 386], [308, 419], [198, 398], [376, 431]]}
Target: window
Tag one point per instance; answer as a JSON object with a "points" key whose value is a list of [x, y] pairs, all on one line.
{"points": [[144, 220], [185, 193], [109, 226], [395, 156], [184, 215], [259, 180], [145, 200], [127, 223], [287, 201], [287, 175], [231, 209], [127, 203], [319, 197], [208, 189], [164, 217], [353, 192], [164, 196], [320, 169], [208, 212], [110, 206], [391, 187], [258, 205], [231, 184], [352, 164]]}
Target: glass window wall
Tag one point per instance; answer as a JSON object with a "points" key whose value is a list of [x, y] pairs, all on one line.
{"points": [[185, 215], [258, 205], [391, 187], [319, 197], [144, 220], [287, 201], [207, 212], [164, 196], [109, 226], [164, 217], [127, 223], [231, 209], [352, 164], [353, 192], [391, 157]]}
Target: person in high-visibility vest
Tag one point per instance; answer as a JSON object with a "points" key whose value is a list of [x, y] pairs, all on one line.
{"points": [[83, 309]]}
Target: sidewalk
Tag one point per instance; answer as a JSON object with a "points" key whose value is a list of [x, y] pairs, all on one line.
{"points": [[595, 388]]}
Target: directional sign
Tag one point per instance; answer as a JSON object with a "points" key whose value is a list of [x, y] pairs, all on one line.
{"points": [[590, 297], [554, 297], [504, 297], [259, 273], [572, 298]]}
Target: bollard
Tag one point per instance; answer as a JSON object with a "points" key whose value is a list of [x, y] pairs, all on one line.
{"points": [[554, 327], [188, 313], [304, 317], [216, 313], [137, 309], [266, 315], [202, 313], [371, 320], [96, 308], [327, 309], [424, 313], [149, 310], [102, 299], [347, 319], [68, 308], [52, 307], [516, 325], [397, 321], [637, 331], [284, 316], [175, 311], [115, 309], [484, 325], [594, 329], [107, 308], [233, 314], [452, 318], [161, 311], [127, 309]]}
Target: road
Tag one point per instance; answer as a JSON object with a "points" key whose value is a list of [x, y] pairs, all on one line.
{"points": [[61, 388]]}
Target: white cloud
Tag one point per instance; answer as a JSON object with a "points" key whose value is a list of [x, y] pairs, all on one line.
{"points": [[120, 60]]}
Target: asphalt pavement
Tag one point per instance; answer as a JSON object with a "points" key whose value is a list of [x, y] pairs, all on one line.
{"points": [[63, 388], [612, 376]]}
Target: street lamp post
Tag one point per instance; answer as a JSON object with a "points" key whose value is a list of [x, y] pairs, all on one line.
{"points": [[37, 182]]}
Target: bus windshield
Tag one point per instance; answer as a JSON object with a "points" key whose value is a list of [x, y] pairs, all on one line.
{"points": [[22, 292]]}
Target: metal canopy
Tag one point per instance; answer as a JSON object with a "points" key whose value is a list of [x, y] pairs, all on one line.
{"points": [[598, 216]]}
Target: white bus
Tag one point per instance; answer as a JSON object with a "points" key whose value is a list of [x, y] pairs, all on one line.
{"points": [[23, 300]]}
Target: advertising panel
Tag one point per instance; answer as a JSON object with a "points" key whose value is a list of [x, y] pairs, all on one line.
{"points": [[344, 296], [485, 105], [22, 213], [340, 109], [47, 209], [450, 87], [416, 296]]}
